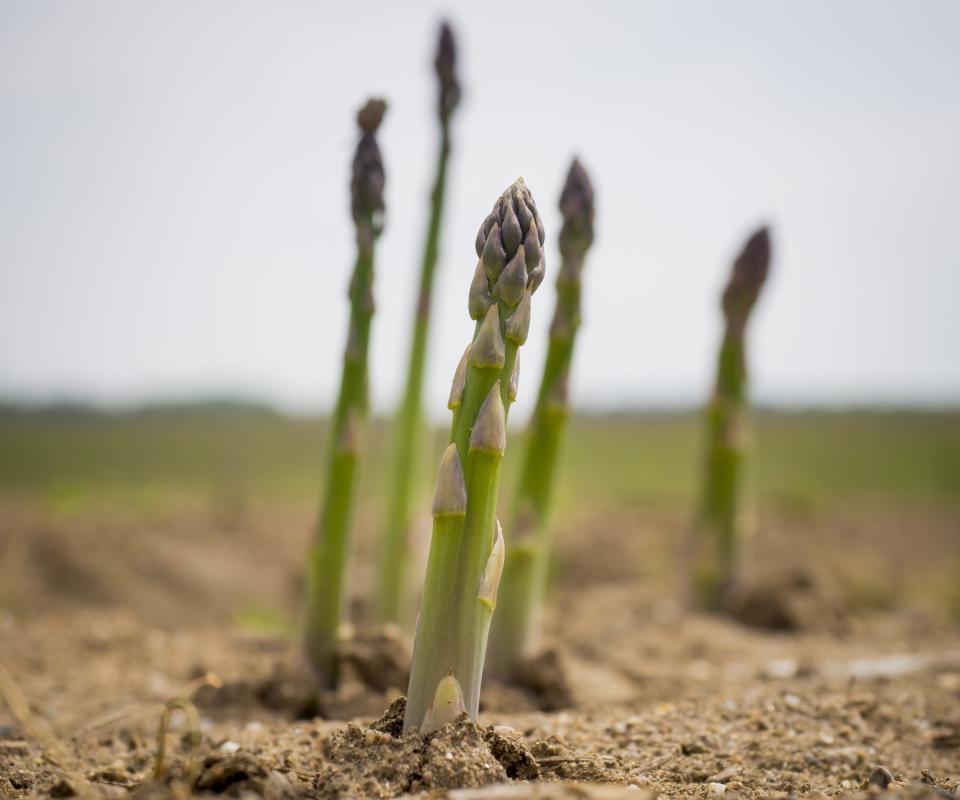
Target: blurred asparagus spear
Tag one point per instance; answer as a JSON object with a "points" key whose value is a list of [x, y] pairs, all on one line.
{"points": [[516, 627], [328, 555], [719, 529], [466, 551], [393, 552]]}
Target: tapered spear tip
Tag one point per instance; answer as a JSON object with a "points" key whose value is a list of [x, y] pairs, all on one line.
{"points": [[445, 64], [756, 252], [753, 263], [576, 205], [371, 115], [510, 245], [577, 194], [368, 179], [749, 273]]}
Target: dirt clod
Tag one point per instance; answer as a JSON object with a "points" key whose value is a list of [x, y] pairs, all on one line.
{"points": [[458, 756], [545, 676], [946, 738], [380, 762], [794, 601], [880, 776], [510, 750], [220, 773], [62, 788], [392, 720], [384, 766], [379, 659]]}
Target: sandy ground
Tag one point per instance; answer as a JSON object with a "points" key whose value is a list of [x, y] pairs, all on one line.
{"points": [[112, 620]]}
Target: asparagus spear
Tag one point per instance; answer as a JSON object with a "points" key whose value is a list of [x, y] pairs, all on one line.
{"points": [[392, 553], [466, 551], [522, 591], [328, 554], [719, 528]]}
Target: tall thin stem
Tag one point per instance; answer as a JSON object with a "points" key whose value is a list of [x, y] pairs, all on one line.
{"points": [[392, 556], [328, 555], [515, 630], [719, 531], [393, 552]]}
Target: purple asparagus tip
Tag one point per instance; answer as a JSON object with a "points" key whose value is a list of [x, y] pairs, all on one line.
{"points": [[750, 271], [445, 63], [367, 179]]}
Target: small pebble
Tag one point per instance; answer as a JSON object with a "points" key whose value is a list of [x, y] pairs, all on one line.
{"points": [[716, 789], [230, 746], [724, 775], [791, 700], [780, 668]]}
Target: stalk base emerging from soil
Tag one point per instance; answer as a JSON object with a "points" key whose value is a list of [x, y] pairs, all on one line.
{"points": [[716, 557], [467, 549]]}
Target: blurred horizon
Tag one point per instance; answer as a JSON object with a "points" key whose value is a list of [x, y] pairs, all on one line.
{"points": [[174, 220], [243, 405]]}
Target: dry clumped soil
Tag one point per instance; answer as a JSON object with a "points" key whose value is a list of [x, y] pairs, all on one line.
{"points": [[805, 695], [686, 706]]}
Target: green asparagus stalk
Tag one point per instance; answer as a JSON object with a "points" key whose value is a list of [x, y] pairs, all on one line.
{"points": [[467, 551], [720, 527], [393, 551], [515, 630], [328, 554]]}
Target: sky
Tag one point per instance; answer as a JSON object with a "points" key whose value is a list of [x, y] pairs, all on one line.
{"points": [[174, 216]]}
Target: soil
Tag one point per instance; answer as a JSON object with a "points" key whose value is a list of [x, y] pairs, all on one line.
{"points": [[632, 696]]}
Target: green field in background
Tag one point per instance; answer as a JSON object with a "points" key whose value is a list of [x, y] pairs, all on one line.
{"points": [[71, 460]]}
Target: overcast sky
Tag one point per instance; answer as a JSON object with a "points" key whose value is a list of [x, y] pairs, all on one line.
{"points": [[174, 212]]}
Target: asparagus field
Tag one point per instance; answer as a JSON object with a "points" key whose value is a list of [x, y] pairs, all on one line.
{"points": [[715, 600], [177, 551]]}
